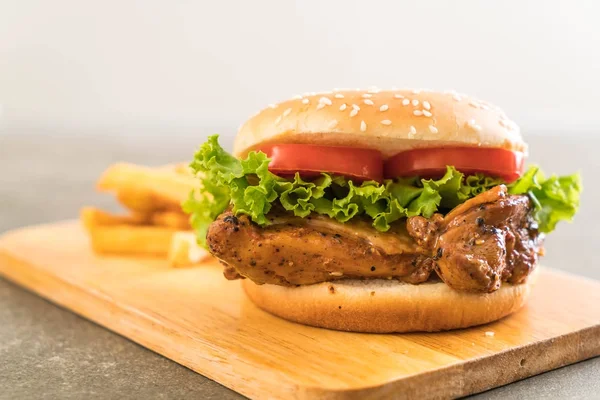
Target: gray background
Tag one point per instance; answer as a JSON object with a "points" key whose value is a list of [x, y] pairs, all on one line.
{"points": [[203, 62], [47, 352]]}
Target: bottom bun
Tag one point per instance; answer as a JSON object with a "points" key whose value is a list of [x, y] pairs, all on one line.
{"points": [[381, 306]]}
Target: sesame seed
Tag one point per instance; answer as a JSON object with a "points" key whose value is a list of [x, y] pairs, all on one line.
{"points": [[473, 104], [493, 107], [413, 130], [386, 122], [312, 93], [433, 129], [320, 105], [336, 89], [363, 126], [456, 97], [339, 96], [418, 113], [398, 96], [353, 112], [426, 105], [415, 102], [336, 273], [354, 106], [333, 123], [368, 101], [272, 105], [343, 107], [305, 101], [405, 102], [502, 123], [325, 100], [366, 95], [287, 112], [489, 333], [473, 125], [297, 97], [426, 113], [383, 108], [277, 120]]}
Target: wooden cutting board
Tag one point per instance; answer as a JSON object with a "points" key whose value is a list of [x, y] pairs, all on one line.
{"points": [[197, 318]]}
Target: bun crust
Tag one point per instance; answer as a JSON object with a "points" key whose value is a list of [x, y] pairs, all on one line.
{"points": [[383, 306], [390, 121]]}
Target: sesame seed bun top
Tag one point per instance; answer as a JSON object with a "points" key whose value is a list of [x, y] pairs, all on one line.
{"points": [[390, 121]]}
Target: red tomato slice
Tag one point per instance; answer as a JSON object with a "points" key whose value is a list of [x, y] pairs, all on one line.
{"points": [[431, 163], [310, 160]]}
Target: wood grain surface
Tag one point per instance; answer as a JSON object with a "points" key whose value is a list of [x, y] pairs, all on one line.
{"points": [[197, 318]]}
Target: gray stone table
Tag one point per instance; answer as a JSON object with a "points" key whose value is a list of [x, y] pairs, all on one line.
{"points": [[47, 352]]}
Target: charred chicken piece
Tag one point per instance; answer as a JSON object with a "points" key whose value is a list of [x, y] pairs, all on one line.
{"points": [[484, 241], [300, 251]]}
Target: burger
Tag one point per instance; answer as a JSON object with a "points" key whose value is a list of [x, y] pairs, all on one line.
{"points": [[379, 210]]}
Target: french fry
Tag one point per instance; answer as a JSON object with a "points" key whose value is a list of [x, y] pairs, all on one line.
{"points": [[149, 189], [119, 234], [92, 217], [185, 252], [132, 240], [170, 219], [144, 202], [157, 226], [181, 168]]}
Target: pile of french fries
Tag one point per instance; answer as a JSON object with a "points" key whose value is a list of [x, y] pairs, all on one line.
{"points": [[155, 225]]}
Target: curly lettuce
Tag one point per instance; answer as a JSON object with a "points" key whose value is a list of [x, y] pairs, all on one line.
{"points": [[555, 199], [249, 188]]}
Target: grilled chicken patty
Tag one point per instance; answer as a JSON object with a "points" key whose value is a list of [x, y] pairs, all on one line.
{"points": [[482, 242]]}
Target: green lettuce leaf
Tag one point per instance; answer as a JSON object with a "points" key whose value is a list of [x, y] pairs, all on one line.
{"points": [[214, 166], [249, 188], [301, 197], [555, 199]]}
